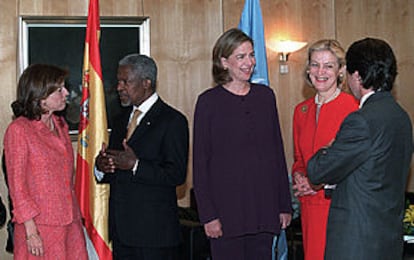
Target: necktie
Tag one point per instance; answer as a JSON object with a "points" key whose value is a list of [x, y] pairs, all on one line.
{"points": [[133, 123]]}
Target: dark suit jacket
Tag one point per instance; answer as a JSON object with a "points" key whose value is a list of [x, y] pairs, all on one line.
{"points": [[143, 207], [369, 161]]}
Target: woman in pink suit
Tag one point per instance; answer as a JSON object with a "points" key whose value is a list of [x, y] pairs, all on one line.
{"points": [[315, 123], [39, 161]]}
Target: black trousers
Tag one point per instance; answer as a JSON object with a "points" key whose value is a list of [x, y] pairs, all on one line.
{"points": [[123, 252], [126, 252]]}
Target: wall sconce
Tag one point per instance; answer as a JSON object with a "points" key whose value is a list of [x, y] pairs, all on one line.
{"points": [[284, 48]]}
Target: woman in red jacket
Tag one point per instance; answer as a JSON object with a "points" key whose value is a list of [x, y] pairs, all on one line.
{"points": [[315, 123], [39, 162]]}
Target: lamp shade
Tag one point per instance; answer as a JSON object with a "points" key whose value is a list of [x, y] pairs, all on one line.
{"points": [[284, 48], [287, 46]]}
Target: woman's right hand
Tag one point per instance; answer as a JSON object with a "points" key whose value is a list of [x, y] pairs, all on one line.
{"points": [[213, 229], [33, 239], [302, 186]]}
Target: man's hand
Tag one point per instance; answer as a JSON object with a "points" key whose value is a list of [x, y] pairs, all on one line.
{"points": [[124, 159], [103, 162]]}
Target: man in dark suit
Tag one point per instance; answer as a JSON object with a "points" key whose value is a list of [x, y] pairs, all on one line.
{"points": [[143, 166], [369, 161]]}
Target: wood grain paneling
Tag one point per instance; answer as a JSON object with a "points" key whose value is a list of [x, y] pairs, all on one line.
{"points": [[183, 33], [182, 36], [122, 8], [51, 8]]}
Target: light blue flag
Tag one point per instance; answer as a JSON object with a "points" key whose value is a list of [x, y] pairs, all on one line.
{"points": [[279, 247], [251, 23]]}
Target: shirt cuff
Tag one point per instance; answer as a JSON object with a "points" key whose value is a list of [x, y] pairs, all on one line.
{"points": [[135, 168], [98, 174]]}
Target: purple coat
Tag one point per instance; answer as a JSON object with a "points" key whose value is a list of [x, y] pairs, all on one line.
{"points": [[239, 167]]}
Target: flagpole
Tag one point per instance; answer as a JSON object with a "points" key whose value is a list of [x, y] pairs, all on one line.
{"points": [[93, 197]]}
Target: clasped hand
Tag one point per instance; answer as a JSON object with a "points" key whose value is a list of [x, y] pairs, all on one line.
{"points": [[302, 186], [108, 159]]}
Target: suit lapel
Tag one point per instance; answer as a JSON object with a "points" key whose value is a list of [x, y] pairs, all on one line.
{"points": [[148, 120]]}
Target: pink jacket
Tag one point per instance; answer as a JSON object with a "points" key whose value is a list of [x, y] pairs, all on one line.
{"points": [[40, 172]]}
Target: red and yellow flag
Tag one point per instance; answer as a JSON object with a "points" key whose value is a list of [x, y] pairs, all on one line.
{"points": [[93, 198]]}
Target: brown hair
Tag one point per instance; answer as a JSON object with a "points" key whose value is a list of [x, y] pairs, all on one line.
{"points": [[36, 83], [223, 48]]}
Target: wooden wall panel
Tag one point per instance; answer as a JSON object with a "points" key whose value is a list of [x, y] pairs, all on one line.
{"points": [[182, 36], [53, 8], [122, 8], [182, 48], [183, 33], [80, 7], [393, 22]]}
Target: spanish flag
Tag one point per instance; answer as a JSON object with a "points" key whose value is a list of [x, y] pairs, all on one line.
{"points": [[93, 198]]}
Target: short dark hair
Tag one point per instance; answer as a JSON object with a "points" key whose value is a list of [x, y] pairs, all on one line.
{"points": [[224, 47], [375, 62], [142, 66], [36, 83]]}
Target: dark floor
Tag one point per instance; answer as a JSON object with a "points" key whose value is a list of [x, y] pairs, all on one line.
{"points": [[294, 239], [409, 251]]}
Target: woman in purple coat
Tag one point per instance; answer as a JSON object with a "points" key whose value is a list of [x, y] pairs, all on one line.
{"points": [[240, 175]]}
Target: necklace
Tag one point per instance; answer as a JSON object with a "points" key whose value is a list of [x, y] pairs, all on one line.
{"points": [[319, 103], [332, 97]]}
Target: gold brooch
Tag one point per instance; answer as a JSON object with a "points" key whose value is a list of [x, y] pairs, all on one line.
{"points": [[304, 109]]}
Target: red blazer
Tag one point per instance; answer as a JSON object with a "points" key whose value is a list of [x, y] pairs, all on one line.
{"points": [[40, 172], [308, 136]]}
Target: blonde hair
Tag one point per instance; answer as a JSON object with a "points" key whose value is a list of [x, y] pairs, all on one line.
{"points": [[327, 45]]}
